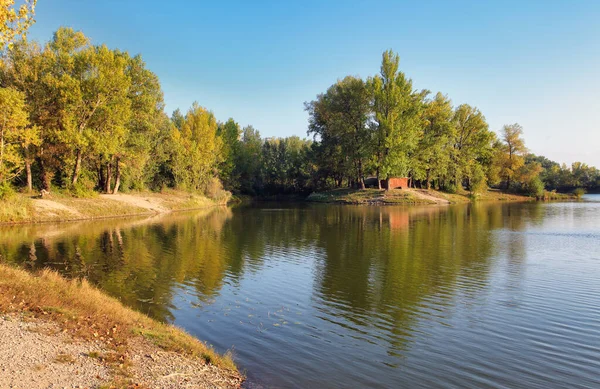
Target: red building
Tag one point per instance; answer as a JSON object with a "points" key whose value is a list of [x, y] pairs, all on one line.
{"points": [[397, 183]]}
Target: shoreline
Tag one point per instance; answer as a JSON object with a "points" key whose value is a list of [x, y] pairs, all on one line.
{"points": [[54, 327], [23, 209], [409, 197]]}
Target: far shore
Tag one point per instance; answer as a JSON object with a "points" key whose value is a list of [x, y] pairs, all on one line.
{"points": [[411, 196], [57, 207]]}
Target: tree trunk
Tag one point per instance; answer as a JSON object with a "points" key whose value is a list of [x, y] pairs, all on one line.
{"points": [[378, 180], [77, 168], [29, 178], [428, 180], [361, 178], [101, 181], [108, 178], [118, 176], [44, 175]]}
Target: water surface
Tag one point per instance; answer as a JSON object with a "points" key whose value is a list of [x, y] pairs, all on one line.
{"points": [[482, 296]]}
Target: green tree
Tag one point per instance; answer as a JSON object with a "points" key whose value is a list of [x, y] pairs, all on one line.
{"points": [[230, 133], [472, 144], [342, 115], [432, 156], [397, 109]]}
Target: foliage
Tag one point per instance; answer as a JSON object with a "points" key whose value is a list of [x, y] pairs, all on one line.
{"points": [[13, 132], [15, 22], [81, 117], [579, 192]]}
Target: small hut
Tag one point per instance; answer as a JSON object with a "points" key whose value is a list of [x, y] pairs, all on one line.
{"points": [[397, 183]]}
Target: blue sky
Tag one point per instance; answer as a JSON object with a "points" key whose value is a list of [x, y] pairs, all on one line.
{"points": [[532, 62]]}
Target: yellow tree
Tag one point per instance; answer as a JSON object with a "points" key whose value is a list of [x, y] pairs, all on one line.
{"points": [[197, 149], [15, 22], [511, 153], [13, 122]]}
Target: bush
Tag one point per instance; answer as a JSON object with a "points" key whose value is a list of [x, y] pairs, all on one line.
{"points": [[83, 189], [6, 191], [449, 188], [535, 188], [214, 190], [579, 192]]}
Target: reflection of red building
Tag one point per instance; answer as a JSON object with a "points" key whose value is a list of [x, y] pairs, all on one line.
{"points": [[398, 219], [397, 183]]}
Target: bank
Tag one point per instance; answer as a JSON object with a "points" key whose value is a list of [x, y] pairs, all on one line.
{"points": [[23, 208], [56, 332], [408, 197]]}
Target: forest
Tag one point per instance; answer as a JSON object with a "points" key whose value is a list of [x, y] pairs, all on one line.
{"points": [[84, 118]]}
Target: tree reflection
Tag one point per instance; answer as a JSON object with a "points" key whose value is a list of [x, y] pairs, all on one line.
{"points": [[376, 266]]}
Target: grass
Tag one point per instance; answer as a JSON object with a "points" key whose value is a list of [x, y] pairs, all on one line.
{"points": [[367, 196], [16, 208], [408, 197], [85, 312], [62, 206]]}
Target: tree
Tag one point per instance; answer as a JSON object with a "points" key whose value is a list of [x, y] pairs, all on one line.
{"points": [[472, 143], [248, 161], [13, 22], [13, 122], [230, 133], [196, 149], [511, 153], [432, 155], [342, 116], [397, 108]]}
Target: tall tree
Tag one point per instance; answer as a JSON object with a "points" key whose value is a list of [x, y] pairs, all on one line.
{"points": [[230, 133], [397, 109], [342, 115], [13, 123], [511, 152], [432, 157], [472, 144]]}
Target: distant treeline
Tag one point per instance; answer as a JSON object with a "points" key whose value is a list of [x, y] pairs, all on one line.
{"points": [[85, 118]]}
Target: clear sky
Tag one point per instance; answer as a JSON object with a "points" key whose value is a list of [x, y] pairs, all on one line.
{"points": [[532, 62]]}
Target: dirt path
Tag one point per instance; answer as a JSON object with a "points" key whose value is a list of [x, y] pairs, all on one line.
{"points": [[423, 194]]}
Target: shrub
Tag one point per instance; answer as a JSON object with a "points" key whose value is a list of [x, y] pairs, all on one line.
{"points": [[6, 191], [214, 190], [535, 188], [579, 192]]}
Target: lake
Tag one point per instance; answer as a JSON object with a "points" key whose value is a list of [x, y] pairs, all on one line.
{"points": [[322, 296]]}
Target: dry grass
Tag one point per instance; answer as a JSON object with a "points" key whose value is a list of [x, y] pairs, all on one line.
{"points": [[16, 208], [87, 313]]}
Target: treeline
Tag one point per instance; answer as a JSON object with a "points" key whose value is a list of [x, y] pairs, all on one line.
{"points": [[87, 118], [84, 117], [383, 127]]}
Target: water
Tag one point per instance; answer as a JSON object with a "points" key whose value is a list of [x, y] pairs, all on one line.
{"points": [[481, 296]]}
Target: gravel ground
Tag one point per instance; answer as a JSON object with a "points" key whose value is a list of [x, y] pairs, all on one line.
{"points": [[38, 355], [160, 369]]}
